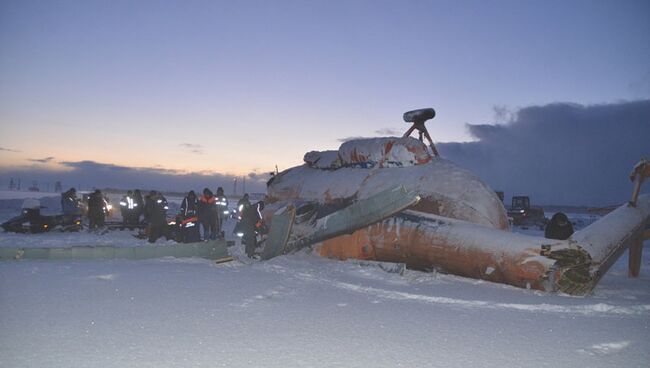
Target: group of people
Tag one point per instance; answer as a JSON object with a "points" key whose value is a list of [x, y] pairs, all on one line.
{"points": [[134, 208], [95, 207], [208, 210]]}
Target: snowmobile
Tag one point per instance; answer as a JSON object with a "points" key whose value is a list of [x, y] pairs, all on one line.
{"points": [[180, 229], [31, 221], [184, 229]]}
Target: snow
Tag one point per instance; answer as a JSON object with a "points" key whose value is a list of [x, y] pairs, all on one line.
{"points": [[384, 152], [455, 192], [302, 310], [326, 160]]}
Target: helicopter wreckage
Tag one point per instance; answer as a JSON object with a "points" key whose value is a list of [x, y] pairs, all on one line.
{"points": [[390, 200]]}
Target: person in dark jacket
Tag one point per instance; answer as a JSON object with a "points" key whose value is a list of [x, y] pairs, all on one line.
{"points": [[559, 227], [149, 201], [96, 210], [222, 210], [157, 214], [188, 228], [243, 202], [251, 222], [208, 214], [128, 208], [70, 202], [241, 205], [190, 204], [139, 209]]}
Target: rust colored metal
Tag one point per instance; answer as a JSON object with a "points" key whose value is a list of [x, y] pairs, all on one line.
{"points": [[429, 242], [425, 244]]}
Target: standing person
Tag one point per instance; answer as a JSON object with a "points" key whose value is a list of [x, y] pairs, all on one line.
{"points": [[208, 214], [251, 221], [243, 202], [559, 227], [190, 204], [149, 200], [128, 208], [222, 210], [241, 205], [139, 209], [188, 221], [108, 208], [157, 216], [96, 210], [70, 202]]}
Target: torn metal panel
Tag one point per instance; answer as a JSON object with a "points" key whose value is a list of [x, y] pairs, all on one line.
{"points": [[285, 236], [275, 243]]}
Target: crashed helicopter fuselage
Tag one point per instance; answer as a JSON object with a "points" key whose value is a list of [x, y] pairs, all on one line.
{"points": [[456, 225]]}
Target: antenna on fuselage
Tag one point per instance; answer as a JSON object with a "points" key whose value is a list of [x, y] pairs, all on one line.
{"points": [[418, 118]]}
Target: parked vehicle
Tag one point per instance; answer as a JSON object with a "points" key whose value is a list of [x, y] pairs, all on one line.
{"points": [[523, 214], [32, 221]]}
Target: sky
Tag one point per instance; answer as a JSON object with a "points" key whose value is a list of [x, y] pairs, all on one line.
{"points": [[202, 91]]}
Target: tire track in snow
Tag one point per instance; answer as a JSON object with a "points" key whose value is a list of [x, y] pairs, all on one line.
{"points": [[594, 309], [588, 309]]}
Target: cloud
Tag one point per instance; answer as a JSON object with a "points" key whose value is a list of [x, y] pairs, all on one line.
{"points": [[343, 140], [89, 174], [42, 160], [560, 153], [8, 149], [193, 148]]}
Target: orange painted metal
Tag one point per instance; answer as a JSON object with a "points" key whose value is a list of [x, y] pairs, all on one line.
{"points": [[426, 250]]}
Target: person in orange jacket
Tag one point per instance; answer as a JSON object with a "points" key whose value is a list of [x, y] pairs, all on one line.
{"points": [[208, 214]]}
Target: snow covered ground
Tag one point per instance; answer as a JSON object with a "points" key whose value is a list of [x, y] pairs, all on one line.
{"points": [[301, 311]]}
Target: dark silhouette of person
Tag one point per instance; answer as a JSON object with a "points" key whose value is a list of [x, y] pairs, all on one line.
{"points": [[559, 227], [251, 223], [96, 210], [208, 216]]}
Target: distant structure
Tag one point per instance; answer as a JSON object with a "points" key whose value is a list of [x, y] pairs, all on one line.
{"points": [[12, 185], [34, 187], [57, 187]]}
